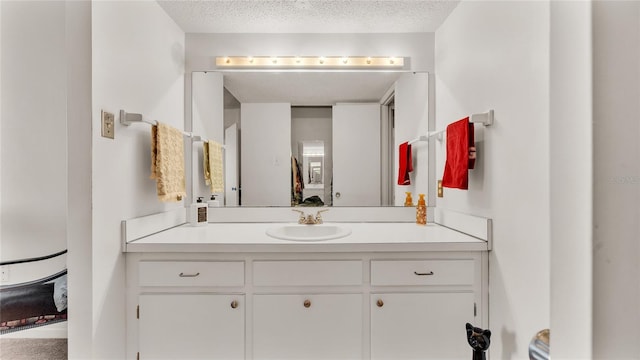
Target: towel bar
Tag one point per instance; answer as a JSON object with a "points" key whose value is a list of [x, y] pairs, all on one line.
{"points": [[485, 119], [132, 118]]}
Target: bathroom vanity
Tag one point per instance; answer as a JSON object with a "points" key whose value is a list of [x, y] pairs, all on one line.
{"points": [[229, 291]]}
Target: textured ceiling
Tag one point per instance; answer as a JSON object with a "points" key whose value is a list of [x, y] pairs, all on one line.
{"points": [[308, 16]]}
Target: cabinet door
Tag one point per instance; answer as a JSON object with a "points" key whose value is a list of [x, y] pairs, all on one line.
{"points": [[305, 327], [191, 326], [421, 326]]}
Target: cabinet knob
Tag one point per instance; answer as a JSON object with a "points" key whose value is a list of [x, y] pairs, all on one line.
{"points": [[307, 303], [234, 304], [380, 303]]}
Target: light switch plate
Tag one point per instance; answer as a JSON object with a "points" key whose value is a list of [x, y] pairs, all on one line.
{"points": [[108, 124], [440, 189]]}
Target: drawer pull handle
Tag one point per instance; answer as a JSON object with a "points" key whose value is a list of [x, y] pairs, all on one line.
{"points": [[307, 303], [234, 304], [189, 275], [423, 274], [380, 303]]}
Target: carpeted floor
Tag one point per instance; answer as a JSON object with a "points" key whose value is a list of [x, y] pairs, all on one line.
{"points": [[33, 349]]}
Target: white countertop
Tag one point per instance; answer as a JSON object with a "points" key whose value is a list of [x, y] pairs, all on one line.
{"points": [[252, 237]]}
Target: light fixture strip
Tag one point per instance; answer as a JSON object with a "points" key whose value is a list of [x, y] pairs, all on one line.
{"points": [[309, 61]]}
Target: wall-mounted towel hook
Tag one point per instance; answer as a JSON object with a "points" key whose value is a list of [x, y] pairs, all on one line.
{"points": [[421, 138], [131, 118], [485, 119]]}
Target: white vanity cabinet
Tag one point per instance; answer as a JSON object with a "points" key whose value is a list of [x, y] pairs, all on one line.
{"points": [[307, 309], [188, 309], [426, 318], [191, 326], [304, 305], [307, 326]]}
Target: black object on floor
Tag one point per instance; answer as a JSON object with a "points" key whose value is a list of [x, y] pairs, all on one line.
{"points": [[479, 340]]}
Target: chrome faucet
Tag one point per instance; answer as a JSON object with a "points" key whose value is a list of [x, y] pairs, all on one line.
{"points": [[310, 219]]}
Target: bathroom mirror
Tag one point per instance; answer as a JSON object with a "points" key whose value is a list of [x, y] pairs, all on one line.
{"points": [[349, 122]]}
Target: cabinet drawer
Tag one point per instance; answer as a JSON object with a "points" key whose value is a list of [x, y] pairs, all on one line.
{"points": [[307, 273], [422, 272], [191, 273]]}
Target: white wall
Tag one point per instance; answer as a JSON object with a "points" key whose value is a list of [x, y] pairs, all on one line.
{"points": [[1, 120], [495, 55], [570, 212], [34, 134], [79, 157], [616, 179], [266, 154], [138, 66]]}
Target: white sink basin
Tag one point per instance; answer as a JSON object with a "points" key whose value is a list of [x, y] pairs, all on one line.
{"points": [[320, 232]]}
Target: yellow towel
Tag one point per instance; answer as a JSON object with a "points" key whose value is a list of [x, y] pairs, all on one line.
{"points": [[205, 163], [213, 168], [167, 162]]}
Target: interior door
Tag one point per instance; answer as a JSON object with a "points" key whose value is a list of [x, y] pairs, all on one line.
{"points": [[356, 155], [231, 166]]}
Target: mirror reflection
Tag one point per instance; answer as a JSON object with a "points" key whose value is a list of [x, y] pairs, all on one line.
{"points": [[311, 138], [308, 176]]}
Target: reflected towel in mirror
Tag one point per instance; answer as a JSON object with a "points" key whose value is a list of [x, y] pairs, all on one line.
{"points": [[405, 164], [213, 167]]}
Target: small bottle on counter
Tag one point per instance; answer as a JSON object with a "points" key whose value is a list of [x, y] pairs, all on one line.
{"points": [[408, 201], [421, 211], [212, 203], [197, 214]]}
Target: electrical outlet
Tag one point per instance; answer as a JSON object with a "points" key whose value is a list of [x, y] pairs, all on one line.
{"points": [[5, 274], [108, 124]]}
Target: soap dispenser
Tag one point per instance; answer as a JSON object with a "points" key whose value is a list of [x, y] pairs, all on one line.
{"points": [[421, 211], [197, 214], [408, 201], [212, 203]]}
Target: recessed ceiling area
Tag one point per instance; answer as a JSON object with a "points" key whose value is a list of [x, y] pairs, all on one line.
{"points": [[302, 17], [308, 16]]}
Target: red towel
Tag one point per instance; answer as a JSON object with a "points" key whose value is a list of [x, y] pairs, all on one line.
{"points": [[405, 164], [460, 155]]}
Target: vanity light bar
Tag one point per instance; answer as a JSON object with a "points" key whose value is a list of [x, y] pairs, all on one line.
{"points": [[309, 61]]}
